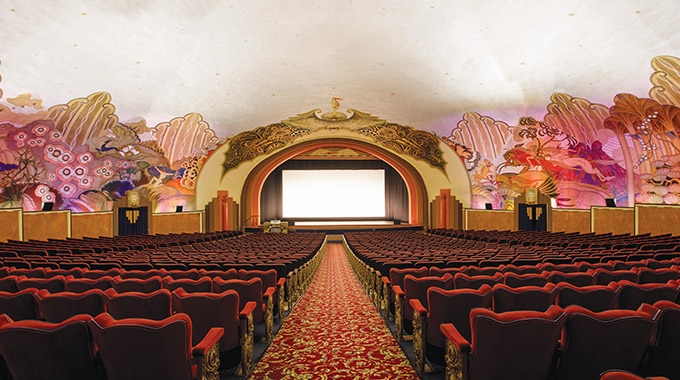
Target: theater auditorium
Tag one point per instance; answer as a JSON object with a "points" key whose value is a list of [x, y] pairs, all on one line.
{"points": [[223, 190]]}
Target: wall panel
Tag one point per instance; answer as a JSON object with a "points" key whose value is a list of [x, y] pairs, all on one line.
{"points": [[501, 220], [657, 219], [41, 225], [614, 220], [565, 220], [11, 221], [178, 222], [91, 224]]}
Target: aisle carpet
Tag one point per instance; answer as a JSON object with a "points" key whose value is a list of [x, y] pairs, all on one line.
{"points": [[334, 332]]}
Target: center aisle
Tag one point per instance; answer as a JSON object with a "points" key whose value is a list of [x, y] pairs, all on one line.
{"points": [[334, 332]]}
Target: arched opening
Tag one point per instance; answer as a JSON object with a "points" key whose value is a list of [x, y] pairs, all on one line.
{"points": [[417, 194]]}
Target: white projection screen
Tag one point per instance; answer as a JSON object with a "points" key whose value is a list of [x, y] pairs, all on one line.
{"points": [[333, 193]]}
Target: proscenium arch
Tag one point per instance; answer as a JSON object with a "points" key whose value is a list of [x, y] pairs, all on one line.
{"points": [[252, 188]]}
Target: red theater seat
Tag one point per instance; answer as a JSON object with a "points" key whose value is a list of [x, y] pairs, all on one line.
{"points": [[58, 307], [444, 306], [208, 310], [204, 284], [140, 274], [230, 274], [191, 274], [594, 297], [463, 281], [43, 350], [19, 305], [53, 285], [144, 349], [656, 276], [148, 285], [529, 298], [595, 342], [664, 356], [576, 279], [415, 288], [80, 285], [155, 305], [513, 345], [269, 280], [95, 273], [631, 295], [518, 280], [604, 276]]}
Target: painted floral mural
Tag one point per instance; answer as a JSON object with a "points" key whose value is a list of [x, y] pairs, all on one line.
{"points": [[79, 156], [581, 153]]}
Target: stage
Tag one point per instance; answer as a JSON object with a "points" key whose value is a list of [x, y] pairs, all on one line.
{"points": [[341, 227]]}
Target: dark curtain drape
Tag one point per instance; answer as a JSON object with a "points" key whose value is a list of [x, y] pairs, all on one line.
{"points": [[396, 193]]}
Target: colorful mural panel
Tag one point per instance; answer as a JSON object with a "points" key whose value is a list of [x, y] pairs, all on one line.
{"points": [[581, 153], [79, 156]]}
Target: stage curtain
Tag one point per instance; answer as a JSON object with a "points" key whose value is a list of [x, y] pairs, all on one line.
{"points": [[396, 193]]}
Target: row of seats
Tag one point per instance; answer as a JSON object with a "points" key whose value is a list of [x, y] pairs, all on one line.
{"points": [[99, 348], [248, 252], [503, 298], [387, 249], [565, 344]]}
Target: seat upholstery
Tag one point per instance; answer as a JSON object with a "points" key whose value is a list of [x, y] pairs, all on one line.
{"points": [[519, 280], [155, 305], [663, 358], [533, 298], [512, 345], [463, 281], [19, 305], [632, 295], [208, 310], [148, 285], [594, 297], [58, 307], [36, 350], [416, 288], [145, 349], [79, 285], [204, 284], [594, 342], [444, 306], [53, 285]]}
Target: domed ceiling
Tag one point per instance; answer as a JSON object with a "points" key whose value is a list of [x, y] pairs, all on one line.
{"points": [[243, 64]]}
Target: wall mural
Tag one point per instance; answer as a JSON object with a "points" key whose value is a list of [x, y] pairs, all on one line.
{"points": [[80, 156], [581, 153]]}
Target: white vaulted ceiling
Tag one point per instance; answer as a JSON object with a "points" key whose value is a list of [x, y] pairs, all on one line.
{"points": [[244, 64]]}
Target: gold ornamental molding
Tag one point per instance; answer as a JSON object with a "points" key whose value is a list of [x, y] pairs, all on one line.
{"points": [[418, 144]]}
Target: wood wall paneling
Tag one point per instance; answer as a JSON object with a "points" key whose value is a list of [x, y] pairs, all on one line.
{"points": [[614, 220], [92, 224], [570, 220], [41, 225], [11, 223]]}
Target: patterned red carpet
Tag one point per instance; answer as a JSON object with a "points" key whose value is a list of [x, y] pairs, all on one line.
{"points": [[334, 332]]}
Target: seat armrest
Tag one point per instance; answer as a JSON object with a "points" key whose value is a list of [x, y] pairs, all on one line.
{"points": [[398, 291], [280, 282], [213, 336], [650, 310], [452, 334], [270, 292], [417, 306], [386, 281], [247, 310]]}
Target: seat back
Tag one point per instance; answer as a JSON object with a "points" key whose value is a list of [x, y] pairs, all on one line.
{"points": [[96, 273], [144, 349], [155, 305], [268, 277], [463, 281], [663, 359], [177, 274], [44, 350], [208, 310], [229, 274], [657, 276], [397, 276], [148, 285], [604, 276], [53, 285], [514, 345], [80, 285], [519, 280], [533, 298], [632, 295], [576, 279], [58, 307], [416, 288], [250, 290], [20, 305], [594, 298], [204, 284], [141, 274], [8, 284], [595, 342], [454, 306]]}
